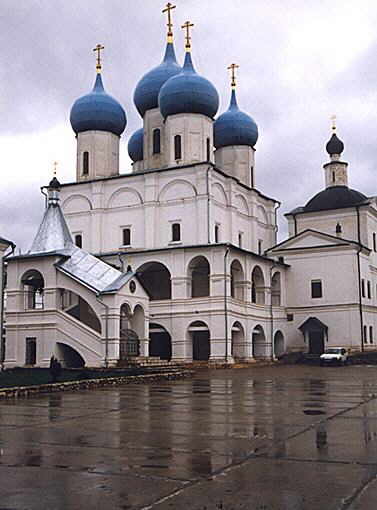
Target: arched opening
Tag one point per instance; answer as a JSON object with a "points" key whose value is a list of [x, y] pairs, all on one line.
{"points": [[33, 287], [177, 147], [85, 163], [199, 276], [159, 342], [208, 149], [129, 344], [238, 341], [200, 337], [257, 286], [276, 289], [75, 306], [279, 348], [156, 141], [69, 357], [259, 343], [237, 280], [156, 280], [138, 321]]}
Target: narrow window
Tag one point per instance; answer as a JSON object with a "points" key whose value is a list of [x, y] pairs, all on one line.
{"points": [[252, 176], [371, 334], [365, 331], [156, 141], [176, 232], [240, 239], [177, 147], [85, 163], [217, 231], [31, 351], [253, 293], [333, 176], [260, 244], [78, 240], [208, 149], [126, 236], [316, 288], [369, 290], [374, 242], [363, 288], [338, 228]]}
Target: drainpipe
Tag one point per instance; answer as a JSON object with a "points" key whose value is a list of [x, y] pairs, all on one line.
{"points": [[277, 206], [272, 316], [106, 330], [208, 208], [45, 195], [359, 279], [2, 340], [226, 306], [295, 222]]}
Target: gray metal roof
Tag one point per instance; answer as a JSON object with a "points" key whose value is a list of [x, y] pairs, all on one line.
{"points": [[90, 270], [53, 233]]}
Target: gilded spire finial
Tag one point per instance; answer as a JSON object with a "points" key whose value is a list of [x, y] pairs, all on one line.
{"points": [[55, 167], [98, 49], [233, 68], [186, 26], [333, 123], [168, 9]]}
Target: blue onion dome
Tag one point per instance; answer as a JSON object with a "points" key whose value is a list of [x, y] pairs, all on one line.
{"points": [[98, 111], [135, 146], [334, 145], [148, 88], [235, 127], [188, 92]]}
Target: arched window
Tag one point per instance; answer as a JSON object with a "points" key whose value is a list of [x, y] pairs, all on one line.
{"points": [[208, 147], [252, 176], [156, 141], [33, 284], [177, 147], [199, 277], [78, 240], [85, 163], [176, 232], [333, 176]]}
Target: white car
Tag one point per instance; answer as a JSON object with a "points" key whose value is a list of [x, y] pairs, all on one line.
{"points": [[337, 355]]}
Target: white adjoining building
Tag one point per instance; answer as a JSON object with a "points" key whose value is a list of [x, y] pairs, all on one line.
{"points": [[179, 258]]}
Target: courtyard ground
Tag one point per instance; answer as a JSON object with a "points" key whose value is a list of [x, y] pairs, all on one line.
{"points": [[272, 438]]}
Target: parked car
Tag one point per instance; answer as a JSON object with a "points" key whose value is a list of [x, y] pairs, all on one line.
{"points": [[334, 355]]}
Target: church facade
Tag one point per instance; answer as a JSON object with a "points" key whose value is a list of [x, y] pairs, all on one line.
{"points": [[179, 258]]}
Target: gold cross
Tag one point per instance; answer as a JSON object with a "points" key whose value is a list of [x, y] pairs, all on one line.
{"points": [[187, 27], [55, 167], [233, 68], [168, 9], [98, 49], [333, 123]]}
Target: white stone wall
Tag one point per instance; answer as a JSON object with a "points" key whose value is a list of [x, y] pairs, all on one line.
{"points": [[237, 161], [103, 149]]}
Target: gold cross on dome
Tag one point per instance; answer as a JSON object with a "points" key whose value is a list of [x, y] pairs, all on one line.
{"points": [[55, 168], [186, 26], [168, 9], [98, 49], [233, 68], [333, 123]]}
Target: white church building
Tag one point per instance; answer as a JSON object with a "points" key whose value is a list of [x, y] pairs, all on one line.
{"points": [[179, 258]]}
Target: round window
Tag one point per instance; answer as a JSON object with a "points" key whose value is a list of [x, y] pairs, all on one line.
{"points": [[132, 286]]}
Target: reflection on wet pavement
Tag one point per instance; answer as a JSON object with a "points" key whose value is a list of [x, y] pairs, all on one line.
{"points": [[264, 438]]}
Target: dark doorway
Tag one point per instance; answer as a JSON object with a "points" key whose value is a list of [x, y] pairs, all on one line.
{"points": [[31, 351], [315, 332], [200, 345], [316, 342], [159, 342]]}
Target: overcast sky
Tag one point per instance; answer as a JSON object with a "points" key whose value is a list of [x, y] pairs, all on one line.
{"points": [[300, 62]]}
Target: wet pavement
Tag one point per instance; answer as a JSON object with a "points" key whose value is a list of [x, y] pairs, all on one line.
{"points": [[273, 438]]}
